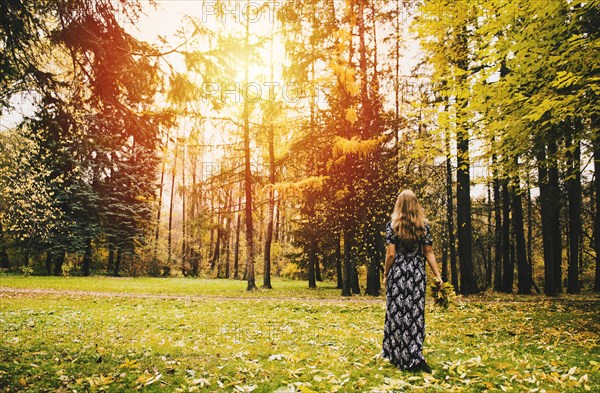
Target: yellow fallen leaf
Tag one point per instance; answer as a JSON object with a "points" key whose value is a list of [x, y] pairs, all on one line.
{"points": [[305, 389]]}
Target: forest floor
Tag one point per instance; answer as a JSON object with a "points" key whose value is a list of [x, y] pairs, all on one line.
{"points": [[107, 334]]}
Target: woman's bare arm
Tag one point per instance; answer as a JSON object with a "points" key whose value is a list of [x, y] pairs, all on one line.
{"points": [[389, 258], [430, 257]]}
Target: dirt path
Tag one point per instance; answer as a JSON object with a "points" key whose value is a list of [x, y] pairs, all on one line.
{"points": [[36, 291], [8, 291]]}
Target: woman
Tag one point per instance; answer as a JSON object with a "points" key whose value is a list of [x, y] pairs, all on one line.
{"points": [[408, 240]]}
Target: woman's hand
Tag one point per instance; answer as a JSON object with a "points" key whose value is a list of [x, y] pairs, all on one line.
{"points": [[438, 282]]}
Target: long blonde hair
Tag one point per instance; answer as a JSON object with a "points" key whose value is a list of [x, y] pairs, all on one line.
{"points": [[408, 220]]}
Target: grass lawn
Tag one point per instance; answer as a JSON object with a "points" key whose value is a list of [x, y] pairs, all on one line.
{"points": [[277, 341], [173, 286]]}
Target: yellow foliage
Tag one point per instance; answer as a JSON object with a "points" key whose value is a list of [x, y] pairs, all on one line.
{"points": [[346, 77], [291, 270], [340, 195], [296, 188], [354, 146], [351, 115]]}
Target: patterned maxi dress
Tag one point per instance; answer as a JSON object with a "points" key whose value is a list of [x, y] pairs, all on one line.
{"points": [[404, 329]]}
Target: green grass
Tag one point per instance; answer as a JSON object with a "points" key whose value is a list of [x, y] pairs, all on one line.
{"points": [[173, 286], [66, 342]]}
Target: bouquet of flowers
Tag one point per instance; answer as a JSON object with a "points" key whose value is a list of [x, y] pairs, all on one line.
{"points": [[443, 296]]}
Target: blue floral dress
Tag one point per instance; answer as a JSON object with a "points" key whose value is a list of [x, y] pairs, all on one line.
{"points": [[404, 329]]}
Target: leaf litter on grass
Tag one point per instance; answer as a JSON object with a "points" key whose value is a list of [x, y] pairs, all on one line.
{"points": [[476, 345]]}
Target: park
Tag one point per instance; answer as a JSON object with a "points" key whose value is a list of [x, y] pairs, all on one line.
{"points": [[152, 334], [299, 196]]}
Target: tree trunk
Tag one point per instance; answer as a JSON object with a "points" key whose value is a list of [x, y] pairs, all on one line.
{"points": [[170, 231], [524, 279], [355, 282], [111, 258], [236, 254], [276, 230], [450, 218], [507, 261], [318, 270], [312, 256], [490, 235], [118, 262], [4, 261], [596, 146], [58, 264], [87, 258], [271, 212], [338, 262], [217, 252], [468, 285], [347, 287], [445, 260], [228, 238], [555, 206], [184, 268], [530, 230], [155, 268], [550, 211], [498, 231], [373, 279], [247, 169], [48, 262], [573, 186]]}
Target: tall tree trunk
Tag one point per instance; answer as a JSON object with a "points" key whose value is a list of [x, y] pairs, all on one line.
{"points": [[355, 281], [490, 235], [87, 258], [312, 257], [194, 247], [184, 268], [228, 234], [550, 211], [49, 262], [155, 268], [4, 261], [555, 206], [211, 215], [530, 229], [118, 262], [111, 258], [58, 264], [445, 258], [228, 248], [247, 169], [397, 85], [338, 261], [373, 278], [596, 147], [498, 230], [318, 270], [276, 230], [573, 186], [450, 217], [217, 252], [530, 235], [507, 261], [271, 213], [347, 287], [170, 230], [236, 254], [523, 273], [468, 285]]}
